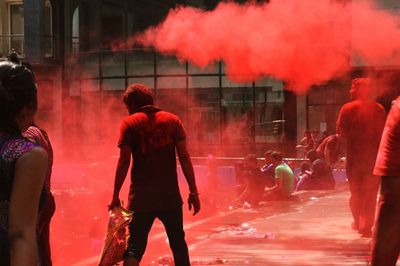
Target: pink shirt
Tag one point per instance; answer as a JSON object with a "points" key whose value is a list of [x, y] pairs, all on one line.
{"points": [[388, 159], [39, 136]]}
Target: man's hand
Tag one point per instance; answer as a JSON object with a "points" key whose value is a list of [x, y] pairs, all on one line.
{"points": [[114, 203], [193, 201]]}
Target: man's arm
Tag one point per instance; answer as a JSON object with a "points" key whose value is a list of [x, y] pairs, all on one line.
{"points": [[341, 123], [187, 168], [278, 181], [120, 174], [322, 147]]}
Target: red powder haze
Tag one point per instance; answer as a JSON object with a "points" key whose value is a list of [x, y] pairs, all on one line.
{"points": [[304, 43], [301, 42]]}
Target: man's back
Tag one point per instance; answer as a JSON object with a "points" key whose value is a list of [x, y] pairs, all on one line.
{"points": [[322, 173], [361, 123], [256, 179], [152, 135], [285, 174]]}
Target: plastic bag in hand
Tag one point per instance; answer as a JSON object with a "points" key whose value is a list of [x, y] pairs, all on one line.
{"points": [[116, 237]]}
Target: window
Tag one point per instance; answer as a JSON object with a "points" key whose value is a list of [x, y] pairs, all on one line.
{"points": [[75, 31], [324, 103], [16, 26], [14, 38], [112, 25], [203, 125], [48, 30]]}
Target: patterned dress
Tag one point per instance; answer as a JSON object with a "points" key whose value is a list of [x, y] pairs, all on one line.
{"points": [[47, 205], [11, 148]]}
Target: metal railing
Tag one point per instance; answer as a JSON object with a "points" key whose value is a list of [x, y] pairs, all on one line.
{"points": [[8, 42], [17, 42]]}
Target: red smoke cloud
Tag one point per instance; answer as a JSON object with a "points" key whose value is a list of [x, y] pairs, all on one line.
{"points": [[376, 35], [301, 42]]}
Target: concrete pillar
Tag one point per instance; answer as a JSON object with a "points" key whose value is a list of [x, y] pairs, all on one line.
{"points": [[290, 116], [301, 118], [34, 30]]}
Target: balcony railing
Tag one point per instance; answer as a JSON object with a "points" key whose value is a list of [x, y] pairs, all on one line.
{"points": [[16, 42], [8, 42]]}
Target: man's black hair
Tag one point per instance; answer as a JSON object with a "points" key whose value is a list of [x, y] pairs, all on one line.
{"points": [[276, 155], [268, 153], [137, 95], [312, 155]]}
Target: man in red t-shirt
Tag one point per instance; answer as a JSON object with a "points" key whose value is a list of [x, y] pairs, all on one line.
{"points": [[386, 241], [360, 124], [151, 137]]}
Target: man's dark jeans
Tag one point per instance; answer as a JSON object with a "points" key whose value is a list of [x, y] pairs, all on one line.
{"points": [[140, 227], [386, 241]]}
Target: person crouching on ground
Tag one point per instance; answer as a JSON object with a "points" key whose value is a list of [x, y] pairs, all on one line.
{"points": [[319, 177], [255, 182], [284, 179]]}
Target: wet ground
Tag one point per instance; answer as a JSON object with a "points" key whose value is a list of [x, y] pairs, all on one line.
{"points": [[314, 229]]}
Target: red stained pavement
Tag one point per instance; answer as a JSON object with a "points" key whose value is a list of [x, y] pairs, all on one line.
{"points": [[312, 230]]}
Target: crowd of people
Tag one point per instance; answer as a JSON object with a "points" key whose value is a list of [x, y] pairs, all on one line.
{"points": [[276, 180], [150, 136], [372, 148]]}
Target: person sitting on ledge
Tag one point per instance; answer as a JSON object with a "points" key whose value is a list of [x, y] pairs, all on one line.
{"points": [[284, 180], [254, 182], [319, 177]]}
